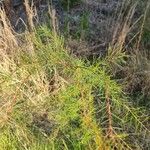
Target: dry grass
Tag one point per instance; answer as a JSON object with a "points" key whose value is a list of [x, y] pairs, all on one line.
{"points": [[7, 38], [51, 99]]}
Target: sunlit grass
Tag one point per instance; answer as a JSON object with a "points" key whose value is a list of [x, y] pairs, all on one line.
{"points": [[52, 100]]}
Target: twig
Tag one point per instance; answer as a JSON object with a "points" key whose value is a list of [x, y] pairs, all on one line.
{"points": [[108, 109]]}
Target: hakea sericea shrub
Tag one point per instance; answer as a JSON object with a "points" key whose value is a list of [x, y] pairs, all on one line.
{"points": [[50, 99]]}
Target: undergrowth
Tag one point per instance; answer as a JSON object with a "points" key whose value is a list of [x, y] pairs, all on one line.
{"points": [[52, 100]]}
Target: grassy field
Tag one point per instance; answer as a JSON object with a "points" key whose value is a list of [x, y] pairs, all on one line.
{"points": [[53, 99]]}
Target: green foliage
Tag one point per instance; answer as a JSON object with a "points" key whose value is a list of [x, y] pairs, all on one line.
{"points": [[69, 3], [53, 100], [146, 36], [83, 28]]}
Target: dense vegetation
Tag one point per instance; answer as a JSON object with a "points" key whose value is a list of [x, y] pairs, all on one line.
{"points": [[51, 98]]}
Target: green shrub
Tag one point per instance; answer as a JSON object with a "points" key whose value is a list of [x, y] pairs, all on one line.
{"points": [[52, 100]]}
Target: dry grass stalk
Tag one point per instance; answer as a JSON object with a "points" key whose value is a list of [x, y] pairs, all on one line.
{"points": [[142, 26], [122, 29], [30, 12], [108, 109], [52, 14], [7, 38]]}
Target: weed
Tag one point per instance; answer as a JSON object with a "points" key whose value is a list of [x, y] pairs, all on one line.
{"points": [[47, 101], [67, 4]]}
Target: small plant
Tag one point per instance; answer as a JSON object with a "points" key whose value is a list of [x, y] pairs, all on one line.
{"points": [[83, 28], [67, 4]]}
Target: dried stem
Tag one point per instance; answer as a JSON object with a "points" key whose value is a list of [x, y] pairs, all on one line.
{"points": [[30, 15], [108, 109]]}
